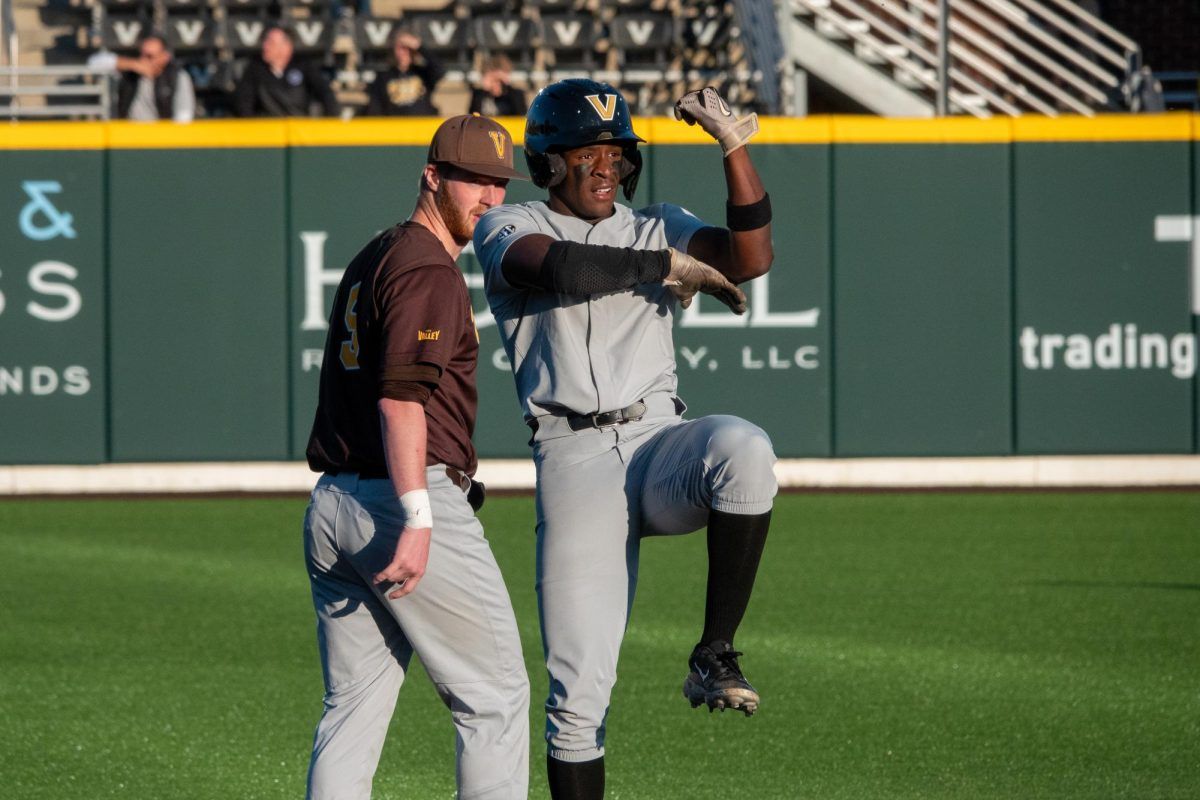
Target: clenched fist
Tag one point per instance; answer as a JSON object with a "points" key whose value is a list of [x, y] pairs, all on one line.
{"points": [[707, 109]]}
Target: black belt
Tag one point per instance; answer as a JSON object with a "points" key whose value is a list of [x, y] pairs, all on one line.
{"points": [[630, 413]]}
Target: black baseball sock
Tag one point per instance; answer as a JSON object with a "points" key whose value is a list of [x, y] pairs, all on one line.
{"points": [[735, 545], [576, 780]]}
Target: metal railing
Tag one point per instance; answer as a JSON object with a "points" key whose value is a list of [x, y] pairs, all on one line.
{"points": [[983, 57], [764, 48], [34, 92]]}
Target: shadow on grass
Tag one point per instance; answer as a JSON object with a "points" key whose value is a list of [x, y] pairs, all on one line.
{"points": [[1185, 587]]}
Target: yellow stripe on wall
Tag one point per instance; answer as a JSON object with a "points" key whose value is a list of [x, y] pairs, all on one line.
{"points": [[202, 134], [370, 132], [1178, 126], [955, 130], [53, 136]]}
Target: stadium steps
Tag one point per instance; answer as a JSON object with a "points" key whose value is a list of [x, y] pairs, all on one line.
{"points": [[1008, 57]]}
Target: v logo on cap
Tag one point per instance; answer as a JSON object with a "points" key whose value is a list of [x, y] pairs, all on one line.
{"points": [[498, 141], [607, 109]]}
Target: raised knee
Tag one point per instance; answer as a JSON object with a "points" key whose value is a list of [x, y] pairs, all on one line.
{"points": [[738, 442]]}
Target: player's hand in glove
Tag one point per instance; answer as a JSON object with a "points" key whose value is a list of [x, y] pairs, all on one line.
{"points": [[408, 564], [707, 109], [689, 275]]}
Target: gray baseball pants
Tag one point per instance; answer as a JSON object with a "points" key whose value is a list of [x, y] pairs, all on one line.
{"points": [[459, 621], [598, 492]]}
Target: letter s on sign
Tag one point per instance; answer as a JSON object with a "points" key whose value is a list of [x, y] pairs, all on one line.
{"points": [[40, 283]]}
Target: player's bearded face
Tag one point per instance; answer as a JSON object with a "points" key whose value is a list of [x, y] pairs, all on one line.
{"points": [[589, 189], [463, 197]]}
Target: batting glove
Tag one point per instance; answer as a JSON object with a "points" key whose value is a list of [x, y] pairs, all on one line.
{"points": [[689, 276], [710, 111]]}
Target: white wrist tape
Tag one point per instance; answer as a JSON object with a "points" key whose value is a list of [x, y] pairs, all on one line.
{"points": [[417, 511]]}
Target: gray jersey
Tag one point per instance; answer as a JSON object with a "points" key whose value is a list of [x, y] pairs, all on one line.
{"points": [[584, 354]]}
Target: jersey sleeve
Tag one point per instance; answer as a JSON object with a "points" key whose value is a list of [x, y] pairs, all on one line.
{"points": [[422, 317], [679, 224], [494, 234]]}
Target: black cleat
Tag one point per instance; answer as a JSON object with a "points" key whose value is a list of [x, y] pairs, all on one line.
{"points": [[716, 679]]}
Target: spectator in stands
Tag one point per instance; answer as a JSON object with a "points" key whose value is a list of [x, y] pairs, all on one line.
{"points": [[277, 86], [152, 86], [406, 89], [495, 96]]}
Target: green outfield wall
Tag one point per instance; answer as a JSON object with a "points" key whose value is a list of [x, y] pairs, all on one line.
{"points": [[947, 287]]}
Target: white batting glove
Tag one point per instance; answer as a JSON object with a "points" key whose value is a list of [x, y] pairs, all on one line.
{"points": [[707, 108], [689, 275]]}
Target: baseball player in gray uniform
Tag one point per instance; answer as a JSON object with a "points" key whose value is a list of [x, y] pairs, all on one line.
{"points": [[585, 292]]}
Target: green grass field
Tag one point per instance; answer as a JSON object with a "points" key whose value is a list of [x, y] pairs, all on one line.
{"points": [[906, 646]]}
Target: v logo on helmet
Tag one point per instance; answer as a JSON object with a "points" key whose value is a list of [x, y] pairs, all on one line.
{"points": [[608, 109], [498, 142]]}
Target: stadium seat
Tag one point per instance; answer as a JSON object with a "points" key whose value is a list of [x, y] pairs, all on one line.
{"points": [[708, 32], [242, 33], [192, 32], [503, 34], [571, 40], [706, 39], [371, 36], [644, 40], [120, 32], [313, 35], [443, 35]]}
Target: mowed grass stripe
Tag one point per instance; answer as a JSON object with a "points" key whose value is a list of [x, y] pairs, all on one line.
{"points": [[906, 646]]}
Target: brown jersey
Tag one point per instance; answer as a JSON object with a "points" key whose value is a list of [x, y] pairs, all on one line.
{"points": [[401, 327]]}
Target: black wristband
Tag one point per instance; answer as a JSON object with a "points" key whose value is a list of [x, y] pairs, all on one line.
{"points": [[749, 217], [583, 269]]}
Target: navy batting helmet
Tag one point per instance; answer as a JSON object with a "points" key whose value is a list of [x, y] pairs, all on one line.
{"points": [[574, 113]]}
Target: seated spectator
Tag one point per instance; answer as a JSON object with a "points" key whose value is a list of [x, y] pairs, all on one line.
{"points": [[152, 86], [277, 86], [406, 88], [495, 96]]}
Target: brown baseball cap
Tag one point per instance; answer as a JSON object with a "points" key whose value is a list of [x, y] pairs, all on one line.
{"points": [[476, 144]]}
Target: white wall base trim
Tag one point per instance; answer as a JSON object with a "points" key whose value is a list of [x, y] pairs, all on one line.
{"points": [[517, 474]]}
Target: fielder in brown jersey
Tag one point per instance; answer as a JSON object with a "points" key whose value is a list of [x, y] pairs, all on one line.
{"points": [[402, 329], [397, 561]]}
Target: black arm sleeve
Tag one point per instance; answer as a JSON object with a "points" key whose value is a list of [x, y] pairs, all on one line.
{"points": [[583, 269]]}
